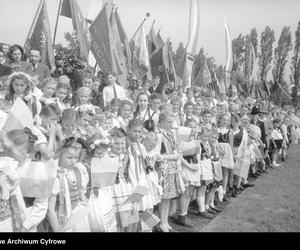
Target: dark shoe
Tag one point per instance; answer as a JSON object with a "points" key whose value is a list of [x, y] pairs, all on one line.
{"points": [[157, 229], [211, 211], [234, 193], [205, 215], [218, 210], [225, 198], [183, 220], [248, 185]]}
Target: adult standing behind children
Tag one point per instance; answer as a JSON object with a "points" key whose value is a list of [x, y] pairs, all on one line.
{"points": [[38, 68], [113, 90]]}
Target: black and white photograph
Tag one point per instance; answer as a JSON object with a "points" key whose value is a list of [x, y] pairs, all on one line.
{"points": [[148, 116]]}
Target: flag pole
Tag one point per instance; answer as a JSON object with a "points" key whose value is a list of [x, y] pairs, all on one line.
{"points": [[34, 21], [56, 23], [145, 19]]}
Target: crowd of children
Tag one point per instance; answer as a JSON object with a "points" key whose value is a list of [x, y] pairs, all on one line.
{"points": [[192, 148]]}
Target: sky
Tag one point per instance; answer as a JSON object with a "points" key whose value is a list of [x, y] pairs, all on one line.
{"points": [[171, 16]]}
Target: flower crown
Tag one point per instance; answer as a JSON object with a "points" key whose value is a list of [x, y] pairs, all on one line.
{"points": [[18, 73], [96, 143], [86, 108]]}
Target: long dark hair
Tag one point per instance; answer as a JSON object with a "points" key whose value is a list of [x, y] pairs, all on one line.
{"points": [[10, 94], [137, 110]]}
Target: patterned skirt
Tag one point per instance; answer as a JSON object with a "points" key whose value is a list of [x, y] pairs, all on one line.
{"points": [[172, 183]]}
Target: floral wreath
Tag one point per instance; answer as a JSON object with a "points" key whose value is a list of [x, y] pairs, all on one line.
{"points": [[86, 108], [96, 143], [10, 77]]}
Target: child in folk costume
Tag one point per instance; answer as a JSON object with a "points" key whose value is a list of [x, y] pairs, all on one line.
{"points": [[100, 148], [67, 211], [125, 110], [48, 88], [241, 150], [139, 153], [85, 118], [278, 139], [190, 174], [255, 134], [113, 109], [142, 111], [227, 163], [62, 94], [126, 213], [150, 143], [14, 216], [69, 118], [217, 173], [167, 151], [49, 133]]}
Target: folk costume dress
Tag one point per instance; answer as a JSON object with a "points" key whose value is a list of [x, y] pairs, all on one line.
{"points": [[139, 154], [153, 179], [224, 144], [217, 168], [172, 182], [70, 188], [242, 153], [192, 177], [12, 206], [206, 176], [125, 213]]}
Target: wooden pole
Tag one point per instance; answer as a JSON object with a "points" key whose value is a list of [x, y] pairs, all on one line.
{"points": [[34, 21], [139, 28], [56, 23]]}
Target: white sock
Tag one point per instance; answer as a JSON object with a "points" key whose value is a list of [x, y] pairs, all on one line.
{"points": [[212, 202], [201, 200]]}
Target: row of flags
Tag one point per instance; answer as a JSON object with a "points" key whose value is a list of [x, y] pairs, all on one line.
{"points": [[145, 55]]}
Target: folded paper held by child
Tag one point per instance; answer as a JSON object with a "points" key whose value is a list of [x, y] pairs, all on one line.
{"points": [[137, 194], [104, 171], [150, 219], [190, 148], [37, 178], [184, 133]]}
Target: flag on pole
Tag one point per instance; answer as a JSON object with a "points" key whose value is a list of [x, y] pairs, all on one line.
{"points": [[39, 36], [151, 40], [103, 44], [203, 77], [168, 61], [157, 67], [229, 56], [194, 26], [159, 41], [70, 8], [124, 40], [140, 57], [118, 43]]}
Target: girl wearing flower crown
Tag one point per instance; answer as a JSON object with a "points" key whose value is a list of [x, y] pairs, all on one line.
{"points": [[67, 211], [48, 87]]}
